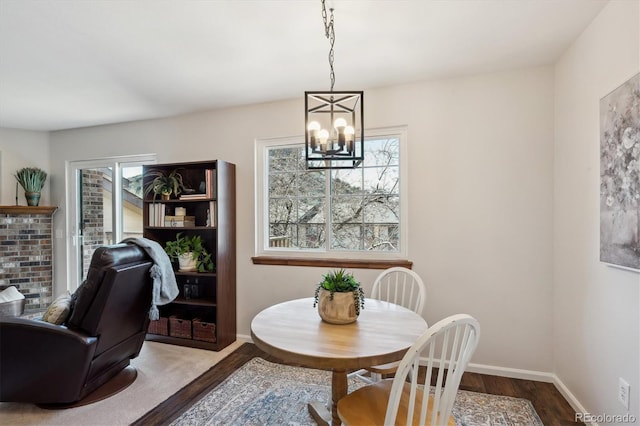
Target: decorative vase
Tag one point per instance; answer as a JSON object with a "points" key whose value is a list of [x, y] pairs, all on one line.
{"points": [[187, 263], [33, 198], [340, 310]]}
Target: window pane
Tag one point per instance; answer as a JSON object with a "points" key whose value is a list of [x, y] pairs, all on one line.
{"points": [[382, 152], [282, 185], [131, 201], [282, 210], [132, 180], [311, 210], [382, 209], [285, 159], [346, 181], [347, 237], [382, 180], [95, 213], [346, 210], [282, 235], [311, 236], [384, 237], [311, 183]]}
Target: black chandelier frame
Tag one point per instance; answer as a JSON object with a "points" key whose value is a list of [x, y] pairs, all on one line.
{"points": [[324, 107]]}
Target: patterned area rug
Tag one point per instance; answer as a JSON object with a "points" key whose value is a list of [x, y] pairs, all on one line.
{"points": [[264, 393]]}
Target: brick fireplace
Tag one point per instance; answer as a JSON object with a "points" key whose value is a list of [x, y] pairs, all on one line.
{"points": [[26, 253]]}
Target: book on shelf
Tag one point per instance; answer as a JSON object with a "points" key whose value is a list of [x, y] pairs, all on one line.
{"points": [[209, 189], [156, 214], [152, 215], [211, 214]]}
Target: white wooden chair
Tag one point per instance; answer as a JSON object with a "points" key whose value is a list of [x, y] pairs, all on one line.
{"points": [[403, 287], [448, 345]]}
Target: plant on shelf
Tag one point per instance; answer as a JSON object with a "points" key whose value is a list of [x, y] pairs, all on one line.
{"points": [[339, 297], [190, 253], [164, 184], [32, 180]]}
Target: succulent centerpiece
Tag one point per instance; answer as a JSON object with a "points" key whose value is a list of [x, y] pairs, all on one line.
{"points": [[339, 297]]}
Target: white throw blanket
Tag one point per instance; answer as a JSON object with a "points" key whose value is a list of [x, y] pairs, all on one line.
{"points": [[10, 294], [165, 288]]}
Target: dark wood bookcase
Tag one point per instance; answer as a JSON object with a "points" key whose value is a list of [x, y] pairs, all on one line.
{"points": [[211, 199]]}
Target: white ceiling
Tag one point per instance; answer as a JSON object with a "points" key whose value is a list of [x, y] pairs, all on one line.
{"points": [[77, 63]]}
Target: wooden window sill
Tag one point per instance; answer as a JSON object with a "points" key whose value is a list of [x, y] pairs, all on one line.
{"points": [[331, 263]]}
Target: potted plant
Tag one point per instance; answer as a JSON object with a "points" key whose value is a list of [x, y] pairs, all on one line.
{"points": [[190, 253], [339, 297], [164, 184], [32, 180]]}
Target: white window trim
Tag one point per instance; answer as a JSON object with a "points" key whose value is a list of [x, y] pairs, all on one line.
{"points": [[261, 208]]}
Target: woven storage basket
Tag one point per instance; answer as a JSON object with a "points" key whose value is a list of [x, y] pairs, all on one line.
{"points": [[204, 330], [179, 327], [159, 326]]}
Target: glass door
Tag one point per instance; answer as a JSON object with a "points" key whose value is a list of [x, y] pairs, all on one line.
{"points": [[105, 206]]}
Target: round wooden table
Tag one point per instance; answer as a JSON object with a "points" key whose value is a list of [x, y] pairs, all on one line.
{"points": [[294, 332]]}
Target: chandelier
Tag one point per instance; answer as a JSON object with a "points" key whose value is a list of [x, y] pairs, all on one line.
{"points": [[334, 124]]}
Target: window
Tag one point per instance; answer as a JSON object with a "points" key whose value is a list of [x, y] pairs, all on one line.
{"points": [[105, 206], [327, 213]]}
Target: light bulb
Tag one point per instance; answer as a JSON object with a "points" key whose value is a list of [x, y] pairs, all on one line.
{"points": [[323, 135], [313, 126], [340, 123], [349, 132], [349, 135]]}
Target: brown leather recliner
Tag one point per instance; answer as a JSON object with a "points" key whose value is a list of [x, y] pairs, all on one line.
{"points": [[61, 364]]}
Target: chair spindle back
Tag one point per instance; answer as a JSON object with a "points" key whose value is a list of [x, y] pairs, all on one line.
{"points": [[447, 345], [401, 286]]}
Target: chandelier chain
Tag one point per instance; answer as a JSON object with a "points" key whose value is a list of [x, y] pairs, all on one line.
{"points": [[329, 32]]}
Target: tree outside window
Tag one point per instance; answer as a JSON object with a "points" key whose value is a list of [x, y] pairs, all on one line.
{"points": [[355, 210]]}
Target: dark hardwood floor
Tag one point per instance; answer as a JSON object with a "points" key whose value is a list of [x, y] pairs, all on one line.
{"points": [[552, 408]]}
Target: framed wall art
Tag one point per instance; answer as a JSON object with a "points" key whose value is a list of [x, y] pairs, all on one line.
{"points": [[620, 176]]}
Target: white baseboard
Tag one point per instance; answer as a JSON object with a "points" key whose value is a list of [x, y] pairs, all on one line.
{"points": [[513, 373], [244, 338], [570, 397]]}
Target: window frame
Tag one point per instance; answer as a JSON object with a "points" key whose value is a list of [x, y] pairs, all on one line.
{"points": [[294, 256], [73, 169]]}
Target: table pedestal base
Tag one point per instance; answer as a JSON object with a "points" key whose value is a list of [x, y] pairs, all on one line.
{"points": [[320, 413], [339, 388]]}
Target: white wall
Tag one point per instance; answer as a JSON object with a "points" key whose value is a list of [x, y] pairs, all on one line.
{"points": [[480, 198], [596, 307], [18, 149], [503, 224]]}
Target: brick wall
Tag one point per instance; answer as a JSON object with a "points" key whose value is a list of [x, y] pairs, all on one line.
{"points": [[26, 256], [92, 214]]}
